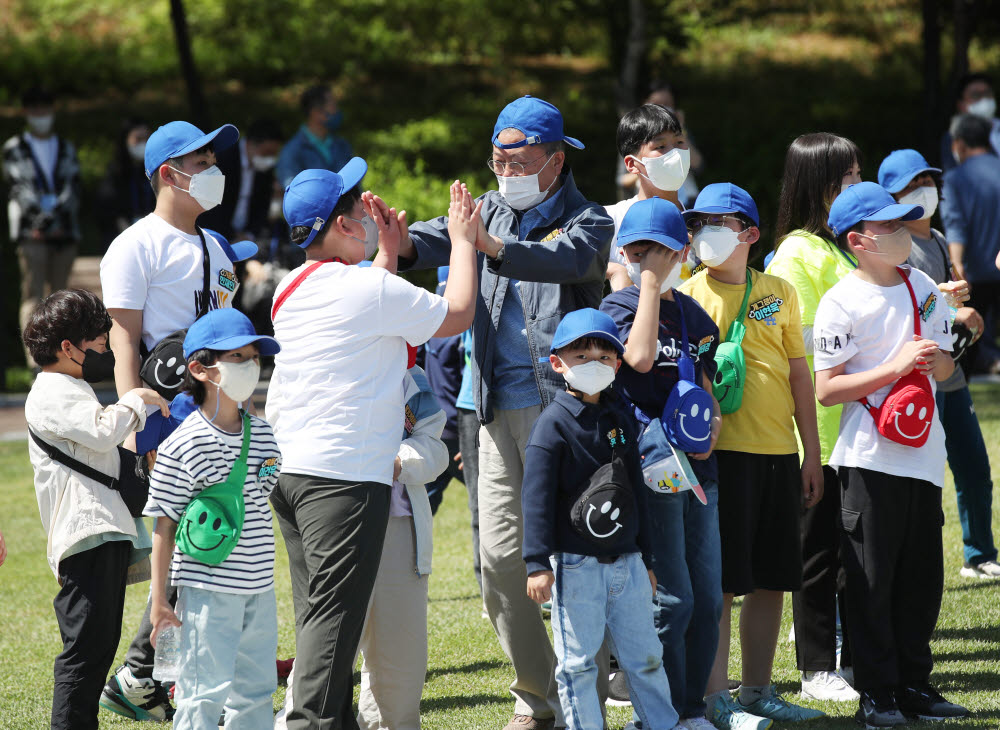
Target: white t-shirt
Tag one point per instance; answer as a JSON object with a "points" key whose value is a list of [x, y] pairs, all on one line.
{"points": [[617, 212], [864, 325], [336, 394], [157, 268]]}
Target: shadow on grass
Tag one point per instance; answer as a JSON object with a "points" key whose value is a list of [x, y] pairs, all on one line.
{"points": [[452, 599], [986, 654], [982, 585], [457, 702], [966, 681], [468, 668], [969, 633]]}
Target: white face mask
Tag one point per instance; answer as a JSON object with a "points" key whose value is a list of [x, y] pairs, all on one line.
{"points": [[926, 196], [206, 186], [137, 151], [985, 107], [237, 379], [522, 192], [673, 279], [264, 164], [669, 171], [42, 124], [371, 234], [590, 378], [714, 244]]}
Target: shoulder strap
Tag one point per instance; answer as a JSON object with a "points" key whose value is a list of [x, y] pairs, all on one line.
{"points": [[206, 267], [943, 248], [78, 466], [737, 329], [237, 476], [913, 300], [293, 286], [685, 366]]}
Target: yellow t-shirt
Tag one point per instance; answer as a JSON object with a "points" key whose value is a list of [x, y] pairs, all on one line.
{"points": [[765, 423]]}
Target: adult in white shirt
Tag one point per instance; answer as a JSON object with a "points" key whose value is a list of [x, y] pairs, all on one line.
{"points": [[336, 404]]}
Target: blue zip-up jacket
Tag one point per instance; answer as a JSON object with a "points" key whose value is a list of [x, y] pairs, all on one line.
{"points": [[301, 153], [559, 252]]}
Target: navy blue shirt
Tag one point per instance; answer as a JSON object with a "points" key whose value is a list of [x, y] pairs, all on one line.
{"points": [[649, 391], [443, 363], [970, 209], [568, 443]]}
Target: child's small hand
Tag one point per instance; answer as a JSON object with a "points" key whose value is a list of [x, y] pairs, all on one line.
{"points": [[716, 428], [161, 615], [397, 468], [659, 261], [386, 221], [914, 353], [956, 293], [151, 398], [540, 586], [464, 218], [812, 482]]}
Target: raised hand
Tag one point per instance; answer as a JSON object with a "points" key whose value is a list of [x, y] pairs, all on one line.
{"points": [[464, 216]]}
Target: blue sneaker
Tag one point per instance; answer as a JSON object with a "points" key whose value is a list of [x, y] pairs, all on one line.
{"points": [[778, 708], [727, 714]]}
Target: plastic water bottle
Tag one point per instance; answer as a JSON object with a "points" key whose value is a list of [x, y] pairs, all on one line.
{"points": [[167, 659]]}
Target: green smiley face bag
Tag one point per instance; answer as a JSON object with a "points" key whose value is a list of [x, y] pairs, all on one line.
{"points": [[730, 363], [212, 522]]}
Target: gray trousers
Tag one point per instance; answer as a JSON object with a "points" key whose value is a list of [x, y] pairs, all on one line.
{"points": [[333, 531]]}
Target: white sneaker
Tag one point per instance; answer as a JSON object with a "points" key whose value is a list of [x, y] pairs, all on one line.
{"points": [[989, 569], [827, 686], [697, 723]]}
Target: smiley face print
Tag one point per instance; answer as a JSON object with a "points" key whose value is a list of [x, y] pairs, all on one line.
{"points": [[607, 517]]}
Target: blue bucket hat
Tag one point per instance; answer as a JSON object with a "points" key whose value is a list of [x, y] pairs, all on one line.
{"points": [[226, 329], [867, 201], [653, 219], [177, 139], [538, 120], [720, 198], [312, 195], [900, 167], [587, 322]]}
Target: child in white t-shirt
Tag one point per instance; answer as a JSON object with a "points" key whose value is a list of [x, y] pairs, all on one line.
{"points": [[877, 325]]}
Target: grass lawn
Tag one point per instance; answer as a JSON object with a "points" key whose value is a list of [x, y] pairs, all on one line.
{"points": [[467, 675]]}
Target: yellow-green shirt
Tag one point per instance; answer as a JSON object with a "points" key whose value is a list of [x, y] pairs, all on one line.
{"points": [[813, 265], [764, 423]]}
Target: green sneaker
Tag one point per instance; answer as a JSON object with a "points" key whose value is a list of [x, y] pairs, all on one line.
{"points": [[727, 714], [778, 708]]}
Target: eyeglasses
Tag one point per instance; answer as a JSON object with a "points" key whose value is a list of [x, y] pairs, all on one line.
{"points": [[716, 221], [498, 167]]}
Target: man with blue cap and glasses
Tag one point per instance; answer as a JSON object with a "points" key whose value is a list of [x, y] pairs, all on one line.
{"points": [[543, 250], [159, 276]]}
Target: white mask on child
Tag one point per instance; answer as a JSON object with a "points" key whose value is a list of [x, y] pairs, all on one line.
{"points": [[925, 196], [206, 187], [590, 378], [673, 279], [668, 171], [714, 244], [371, 234], [238, 379]]}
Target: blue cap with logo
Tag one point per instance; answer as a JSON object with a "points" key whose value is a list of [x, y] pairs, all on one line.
{"points": [[867, 201], [177, 139], [537, 119], [653, 219], [720, 198], [587, 322], [226, 329], [900, 167], [312, 195], [239, 251]]}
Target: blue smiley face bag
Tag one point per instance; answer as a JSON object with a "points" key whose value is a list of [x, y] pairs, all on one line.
{"points": [[687, 416]]}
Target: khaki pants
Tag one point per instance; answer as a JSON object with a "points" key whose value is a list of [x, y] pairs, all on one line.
{"points": [[394, 642], [45, 269]]}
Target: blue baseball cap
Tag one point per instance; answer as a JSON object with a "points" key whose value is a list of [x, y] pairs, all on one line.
{"points": [[587, 322], [867, 201], [653, 219], [226, 329], [538, 120], [239, 251], [312, 195], [900, 167], [177, 139], [719, 198]]}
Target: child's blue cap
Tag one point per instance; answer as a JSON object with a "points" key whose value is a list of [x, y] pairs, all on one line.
{"points": [[177, 139], [312, 195], [538, 120], [720, 198], [900, 167], [587, 322], [653, 219], [867, 201], [224, 330], [239, 251]]}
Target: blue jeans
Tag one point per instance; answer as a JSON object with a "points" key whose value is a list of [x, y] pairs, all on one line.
{"points": [[687, 561], [970, 465], [229, 642], [590, 600]]}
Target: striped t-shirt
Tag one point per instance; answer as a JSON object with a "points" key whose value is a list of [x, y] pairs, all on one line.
{"points": [[197, 455]]}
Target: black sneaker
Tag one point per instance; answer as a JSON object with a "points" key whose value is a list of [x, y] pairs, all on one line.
{"points": [[923, 702], [618, 690], [877, 709], [138, 699]]}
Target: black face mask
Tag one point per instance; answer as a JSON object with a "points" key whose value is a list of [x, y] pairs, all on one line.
{"points": [[97, 366]]}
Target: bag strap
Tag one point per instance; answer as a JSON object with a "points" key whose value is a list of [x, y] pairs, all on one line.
{"points": [[685, 366], [295, 285], [76, 465], [737, 330], [233, 483], [206, 284]]}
